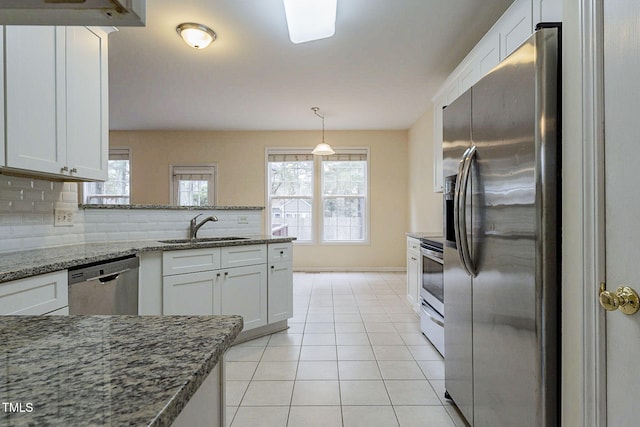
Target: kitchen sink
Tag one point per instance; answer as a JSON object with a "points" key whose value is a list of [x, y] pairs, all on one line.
{"points": [[202, 240]]}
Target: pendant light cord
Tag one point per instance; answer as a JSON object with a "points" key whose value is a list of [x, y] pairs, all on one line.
{"points": [[315, 111]]}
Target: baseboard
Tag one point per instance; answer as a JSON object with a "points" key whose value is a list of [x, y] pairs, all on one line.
{"points": [[349, 269]]}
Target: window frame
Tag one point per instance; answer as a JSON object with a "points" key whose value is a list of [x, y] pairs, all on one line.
{"points": [[367, 215], [194, 169], [318, 197], [115, 153], [290, 151]]}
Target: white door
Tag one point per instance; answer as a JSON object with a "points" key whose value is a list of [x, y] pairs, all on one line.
{"points": [[622, 154]]}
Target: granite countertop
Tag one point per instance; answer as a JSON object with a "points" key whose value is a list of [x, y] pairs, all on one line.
{"points": [[107, 370], [431, 235], [21, 264]]}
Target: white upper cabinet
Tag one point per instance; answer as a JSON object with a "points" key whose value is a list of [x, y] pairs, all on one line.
{"points": [[547, 11], [515, 26], [56, 101], [510, 31], [87, 102], [35, 104]]}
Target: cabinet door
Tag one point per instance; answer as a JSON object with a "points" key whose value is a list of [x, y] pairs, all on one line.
{"points": [[280, 291], [413, 274], [279, 252], [516, 25], [190, 261], [547, 11], [244, 292], [34, 295], [87, 103], [438, 179], [191, 294], [35, 98], [238, 256], [488, 55]]}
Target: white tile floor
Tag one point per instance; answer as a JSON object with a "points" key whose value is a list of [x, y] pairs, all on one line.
{"points": [[353, 356]]}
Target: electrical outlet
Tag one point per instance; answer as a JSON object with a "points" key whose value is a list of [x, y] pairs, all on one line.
{"points": [[243, 220], [63, 218]]}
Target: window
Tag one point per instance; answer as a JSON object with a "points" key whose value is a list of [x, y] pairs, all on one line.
{"points": [[193, 185], [344, 197], [340, 183], [291, 195], [116, 190]]}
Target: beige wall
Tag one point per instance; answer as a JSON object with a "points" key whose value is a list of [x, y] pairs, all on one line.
{"points": [[240, 157], [425, 206]]}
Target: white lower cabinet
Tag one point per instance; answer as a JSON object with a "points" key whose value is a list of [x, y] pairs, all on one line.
{"points": [[43, 294], [191, 294], [229, 280], [243, 291], [414, 272], [280, 293]]}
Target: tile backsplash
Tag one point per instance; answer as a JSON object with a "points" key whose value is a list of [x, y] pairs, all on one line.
{"points": [[144, 224], [27, 208], [27, 212]]}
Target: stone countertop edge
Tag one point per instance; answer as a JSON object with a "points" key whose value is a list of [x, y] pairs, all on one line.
{"points": [[36, 343], [175, 208], [172, 409], [421, 234], [28, 263]]}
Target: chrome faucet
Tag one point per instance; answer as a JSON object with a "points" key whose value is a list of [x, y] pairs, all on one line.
{"points": [[193, 227]]}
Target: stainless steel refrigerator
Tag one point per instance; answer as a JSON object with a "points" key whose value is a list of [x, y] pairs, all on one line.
{"points": [[501, 163]]}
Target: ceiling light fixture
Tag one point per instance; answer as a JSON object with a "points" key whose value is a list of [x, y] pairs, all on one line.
{"points": [[322, 149], [197, 36], [310, 19]]}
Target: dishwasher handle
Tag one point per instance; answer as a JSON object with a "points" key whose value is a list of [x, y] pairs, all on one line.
{"points": [[109, 277]]}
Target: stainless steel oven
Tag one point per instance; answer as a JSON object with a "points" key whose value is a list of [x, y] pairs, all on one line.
{"points": [[432, 293]]}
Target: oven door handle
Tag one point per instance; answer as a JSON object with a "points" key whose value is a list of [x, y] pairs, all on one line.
{"points": [[431, 255], [431, 313]]}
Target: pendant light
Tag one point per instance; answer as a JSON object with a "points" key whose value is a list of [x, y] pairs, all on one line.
{"points": [[322, 149]]}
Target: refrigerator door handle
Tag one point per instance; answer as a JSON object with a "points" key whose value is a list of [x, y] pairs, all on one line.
{"points": [[456, 207], [467, 261]]}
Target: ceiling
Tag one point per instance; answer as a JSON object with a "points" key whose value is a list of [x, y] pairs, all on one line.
{"points": [[380, 70]]}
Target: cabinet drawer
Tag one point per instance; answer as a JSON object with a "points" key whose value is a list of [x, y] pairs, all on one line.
{"points": [[34, 295], [277, 252], [238, 256], [413, 244], [190, 261]]}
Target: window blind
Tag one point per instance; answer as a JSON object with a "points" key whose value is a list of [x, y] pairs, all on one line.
{"points": [[290, 157], [118, 154], [345, 157]]}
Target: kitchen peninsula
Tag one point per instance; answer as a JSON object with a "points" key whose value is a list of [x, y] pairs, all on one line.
{"points": [[113, 370]]}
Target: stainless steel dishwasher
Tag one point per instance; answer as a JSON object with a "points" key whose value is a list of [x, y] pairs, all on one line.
{"points": [[106, 287]]}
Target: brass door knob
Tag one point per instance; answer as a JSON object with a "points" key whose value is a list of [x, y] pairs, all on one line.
{"points": [[624, 298]]}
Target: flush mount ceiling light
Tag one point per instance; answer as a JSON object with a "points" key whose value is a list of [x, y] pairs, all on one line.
{"points": [[197, 36], [310, 19], [322, 149]]}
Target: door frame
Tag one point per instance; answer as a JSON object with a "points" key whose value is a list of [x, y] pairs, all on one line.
{"points": [[594, 367]]}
